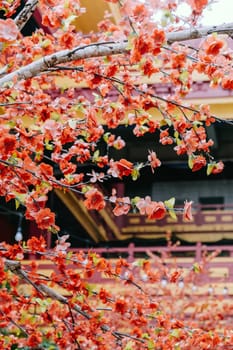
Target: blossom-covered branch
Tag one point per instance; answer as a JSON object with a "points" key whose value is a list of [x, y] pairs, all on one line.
{"points": [[100, 50]]}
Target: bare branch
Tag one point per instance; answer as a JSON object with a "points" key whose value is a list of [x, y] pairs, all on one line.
{"points": [[103, 49]]}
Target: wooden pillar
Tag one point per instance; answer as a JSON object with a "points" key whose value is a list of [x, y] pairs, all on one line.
{"points": [[131, 252], [198, 251]]}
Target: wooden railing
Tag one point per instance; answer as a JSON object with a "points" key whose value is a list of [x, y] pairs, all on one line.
{"points": [[217, 275], [132, 252], [207, 220]]}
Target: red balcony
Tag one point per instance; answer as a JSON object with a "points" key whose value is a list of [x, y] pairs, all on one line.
{"points": [[216, 276], [211, 223]]}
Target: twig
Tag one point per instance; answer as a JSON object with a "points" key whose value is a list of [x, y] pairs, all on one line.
{"points": [[15, 324], [125, 335]]}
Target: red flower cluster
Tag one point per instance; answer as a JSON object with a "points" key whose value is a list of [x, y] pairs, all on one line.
{"points": [[94, 199]]}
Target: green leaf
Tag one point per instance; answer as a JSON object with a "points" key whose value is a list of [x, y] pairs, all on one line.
{"points": [[8, 286], [177, 347], [135, 200], [138, 262], [169, 204], [13, 96], [196, 267], [197, 123], [45, 43], [172, 214], [190, 161], [38, 155], [129, 345], [90, 288], [11, 123], [95, 258], [131, 41], [48, 146], [165, 121], [85, 189], [19, 199], [55, 115], [184, 76], [150, 342], [106, 59], [95, 156], [175, 333], [52, 230], [158, 330], [106, 136], [210, 168], [176, 135], [145, 336], [59, 334], [66, 23], [151, 345], [135, 174], [96, 96], [80, 298], [17, 204], [42, 303], [69, 256], [166, 18]]}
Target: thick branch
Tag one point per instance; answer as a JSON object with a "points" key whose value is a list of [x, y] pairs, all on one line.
{"points": [[103, 49], [93, 50], [196, 33], [24, 15], [15, 267]]}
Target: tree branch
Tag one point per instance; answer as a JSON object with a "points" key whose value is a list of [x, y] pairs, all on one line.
{"points": [[103, 49], [44, 290], [23, 331], [25, 14], [196, 33], [82, 52], [15, 267]]}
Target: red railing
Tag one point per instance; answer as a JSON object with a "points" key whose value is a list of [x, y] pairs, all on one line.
{"points": [[132, 251], [207, 219], [178, 256], [217, 274]]}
